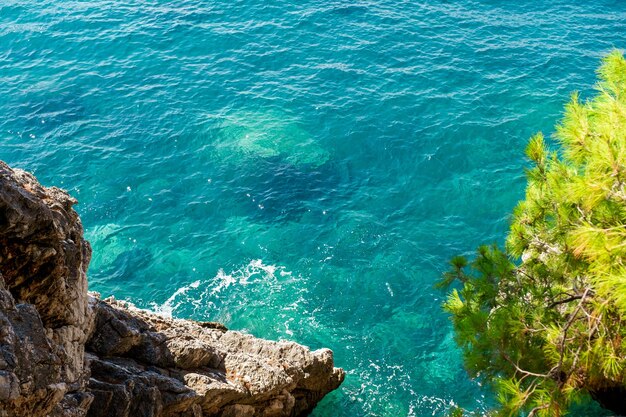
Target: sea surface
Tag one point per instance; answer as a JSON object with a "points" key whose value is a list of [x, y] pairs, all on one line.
{"points": [[299, 170]]}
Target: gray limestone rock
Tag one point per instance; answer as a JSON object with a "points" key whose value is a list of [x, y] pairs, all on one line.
{"points": [[44, 311], [207, 370]]}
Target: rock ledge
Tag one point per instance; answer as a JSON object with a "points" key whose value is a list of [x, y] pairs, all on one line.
{"points": [[67, 353]]}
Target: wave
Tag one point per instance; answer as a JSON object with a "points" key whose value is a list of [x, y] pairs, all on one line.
{"points": [[203, 297]]}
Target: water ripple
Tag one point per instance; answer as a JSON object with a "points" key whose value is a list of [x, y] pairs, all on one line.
{"points": [[317, 162]]}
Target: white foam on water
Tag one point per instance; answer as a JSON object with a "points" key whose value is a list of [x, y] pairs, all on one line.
{"points": [[255, 271], [224, 281], [204, 294], [389, 288], [167, 308]]}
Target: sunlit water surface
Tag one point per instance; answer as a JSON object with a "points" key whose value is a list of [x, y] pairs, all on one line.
{"points": [[297, 170]]}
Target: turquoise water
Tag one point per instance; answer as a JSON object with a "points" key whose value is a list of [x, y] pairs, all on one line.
{"points": [[298, 170]]}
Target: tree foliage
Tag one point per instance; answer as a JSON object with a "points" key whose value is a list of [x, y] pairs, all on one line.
{"points": [[544, 321]]}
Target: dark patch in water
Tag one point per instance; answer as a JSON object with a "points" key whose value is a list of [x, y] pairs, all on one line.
{"points": [[125, 265], [349, 10], [272, 190], [40, 113]]}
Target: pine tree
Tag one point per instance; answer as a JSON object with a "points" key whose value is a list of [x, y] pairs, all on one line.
{"points": [[544, 320]]}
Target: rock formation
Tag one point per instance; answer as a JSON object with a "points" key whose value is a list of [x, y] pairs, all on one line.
{"points": [[65, 353]]}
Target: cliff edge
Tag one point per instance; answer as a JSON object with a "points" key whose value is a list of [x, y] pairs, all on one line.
{"points": [[67, 353]]}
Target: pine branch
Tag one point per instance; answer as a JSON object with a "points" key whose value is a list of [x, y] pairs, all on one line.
{"points": [[567, 326], [566, 300], [535, 410]]}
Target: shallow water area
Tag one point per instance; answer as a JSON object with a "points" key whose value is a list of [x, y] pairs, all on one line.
{"points": [[300, 171], [266, 135]]}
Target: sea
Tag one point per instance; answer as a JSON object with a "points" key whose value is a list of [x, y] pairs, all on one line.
{"points": [[298, 170]]}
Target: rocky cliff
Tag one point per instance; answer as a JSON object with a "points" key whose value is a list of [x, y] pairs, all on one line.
{"points": [[66, 353]]}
